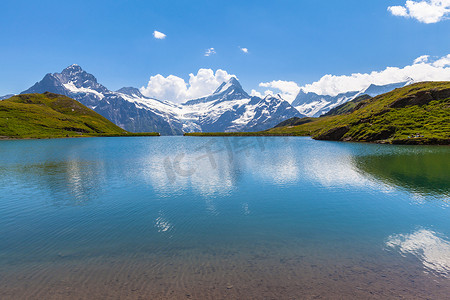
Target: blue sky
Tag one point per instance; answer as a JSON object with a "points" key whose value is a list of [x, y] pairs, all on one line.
{"points": [[287, 40]]}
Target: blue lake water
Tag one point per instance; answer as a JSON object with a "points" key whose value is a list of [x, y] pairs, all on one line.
{"points": [[212, 218]]}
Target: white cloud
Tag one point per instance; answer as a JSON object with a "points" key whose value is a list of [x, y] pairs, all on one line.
{"points": [[425, 11], [174, 88], [206, 81], [288, 89], [422, 59], [210, 52], [399, 11], [442, 62], [422, 70], [245, 50], [255, 93], [159, 35]]}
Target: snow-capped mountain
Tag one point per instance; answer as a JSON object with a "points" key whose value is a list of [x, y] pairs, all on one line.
{"points": [[74, 82], [229, 108], [131, 111], [314, 105], [6, 96], [375, 90]]}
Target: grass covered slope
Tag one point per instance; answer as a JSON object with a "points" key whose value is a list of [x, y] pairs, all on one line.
{"points": [[416, 114], [51, 115]]}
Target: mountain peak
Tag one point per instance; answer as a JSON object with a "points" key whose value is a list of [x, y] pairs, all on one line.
{"points": [[74, 82], [228, 90], [131, 91], [72, 69], [302, 92], [75, 75], [270, 97], [227, 85], [234, 80]]}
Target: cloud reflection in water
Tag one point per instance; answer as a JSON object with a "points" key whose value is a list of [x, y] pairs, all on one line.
{"points": [[432, 250]]}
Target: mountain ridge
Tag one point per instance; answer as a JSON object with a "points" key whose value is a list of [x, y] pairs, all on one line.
{"points": [[229, 108], [224, 110], [314, 105]]}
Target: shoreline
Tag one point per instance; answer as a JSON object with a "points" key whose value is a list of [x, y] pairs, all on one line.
{"points": [[9, 138], [411, 141]]}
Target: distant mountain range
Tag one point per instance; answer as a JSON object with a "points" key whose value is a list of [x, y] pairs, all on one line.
{"points": [[314, 105], [228, 109], [6, 96]]}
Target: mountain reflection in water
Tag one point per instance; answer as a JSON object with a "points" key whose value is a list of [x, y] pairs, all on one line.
{"points": [[421, 171]]}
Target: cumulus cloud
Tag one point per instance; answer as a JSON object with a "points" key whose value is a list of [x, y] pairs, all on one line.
{"points": [[288, 90], [425, 11], [421, 59], [174, 88], [255, 93], [245, 50], [206, 81], [442, 62], [159, 35], [210, 52], [423, 69], [398, 11]]}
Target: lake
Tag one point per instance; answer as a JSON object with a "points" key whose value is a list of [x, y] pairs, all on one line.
{"points": [[223, 217]]}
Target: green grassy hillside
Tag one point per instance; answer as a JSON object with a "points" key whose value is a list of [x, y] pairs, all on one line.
{"points": [[50, 115], [416, 114]]}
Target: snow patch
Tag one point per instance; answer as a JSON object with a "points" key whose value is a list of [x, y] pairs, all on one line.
{"points": [[73, 89]]}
